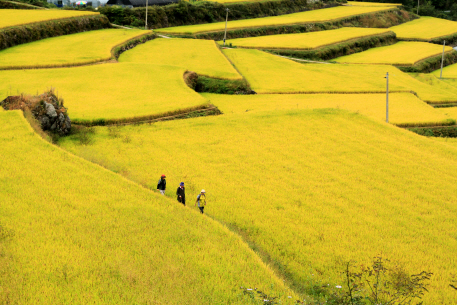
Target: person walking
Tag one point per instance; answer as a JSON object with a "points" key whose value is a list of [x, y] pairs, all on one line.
{"points": [[201, 200], [162, 185], [181, 193]]}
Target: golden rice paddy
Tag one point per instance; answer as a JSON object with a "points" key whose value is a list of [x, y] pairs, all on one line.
{"points": [[107, 91], [268, 73], [75, 49], [9, 17], [425, 28], [360, 3], [201, 56], [75, 233], [320, 15], [403, 53], [304, 41], [405, 109], [367, 188]]}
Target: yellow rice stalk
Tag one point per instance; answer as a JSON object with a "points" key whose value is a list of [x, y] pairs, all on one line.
{"points": [[9, 17], [67, 50], [405, 109], [403, 53], [359, 3], [311, 188], [76, 233], [108, 91], [425, 28], [321, 15], [268, 73], [201, 56], [449, 72], [305, 41]]}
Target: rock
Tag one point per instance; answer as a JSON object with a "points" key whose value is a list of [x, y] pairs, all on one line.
{"points": [[54, 126], [45, 123], [50, 110]]}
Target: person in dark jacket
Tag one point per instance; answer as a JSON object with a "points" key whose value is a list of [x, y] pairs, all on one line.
{"points": [[181, 193], [162, 185]]}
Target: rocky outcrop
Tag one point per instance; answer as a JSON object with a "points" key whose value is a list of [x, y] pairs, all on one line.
{"points": [[46, 108]]}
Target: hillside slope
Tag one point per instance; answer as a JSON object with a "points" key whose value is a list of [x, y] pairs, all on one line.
{"points": [[312, 188], [72, 232]]}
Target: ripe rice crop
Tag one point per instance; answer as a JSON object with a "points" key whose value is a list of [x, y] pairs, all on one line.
{"points": [[268, 73], [357, 3], [320, 15], [87, 47], [304, 41], [435, 82], [311, 188], [107, 91], [425, 28], [201, 56], [75, 233], [448, 72], [449, 111], [405, 109], [19, 17], [403, 53]]}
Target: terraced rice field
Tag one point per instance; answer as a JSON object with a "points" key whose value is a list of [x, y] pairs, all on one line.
{"points": [[435, 81], [358, 3], [321, 15], [108, 91], [448, 72], [304, 41], [367, 188], [79, 234], [268, 73], [405, 109], [75, 49], [425, 28], [403, 53], [10, 17], [201, 56]]}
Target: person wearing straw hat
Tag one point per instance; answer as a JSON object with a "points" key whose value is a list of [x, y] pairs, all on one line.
{"points": [[162, 184], [181, 193], [201, 200]]}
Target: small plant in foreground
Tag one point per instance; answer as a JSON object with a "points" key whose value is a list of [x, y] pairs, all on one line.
{"points": [[380, 284]]}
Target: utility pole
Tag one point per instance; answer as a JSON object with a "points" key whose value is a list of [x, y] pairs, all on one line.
{"points": [[387, 98], [146, 23], [225, 33], [442, 59]]}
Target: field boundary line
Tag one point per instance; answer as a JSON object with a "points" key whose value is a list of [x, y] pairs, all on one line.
{"points": [[206, 109]]}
